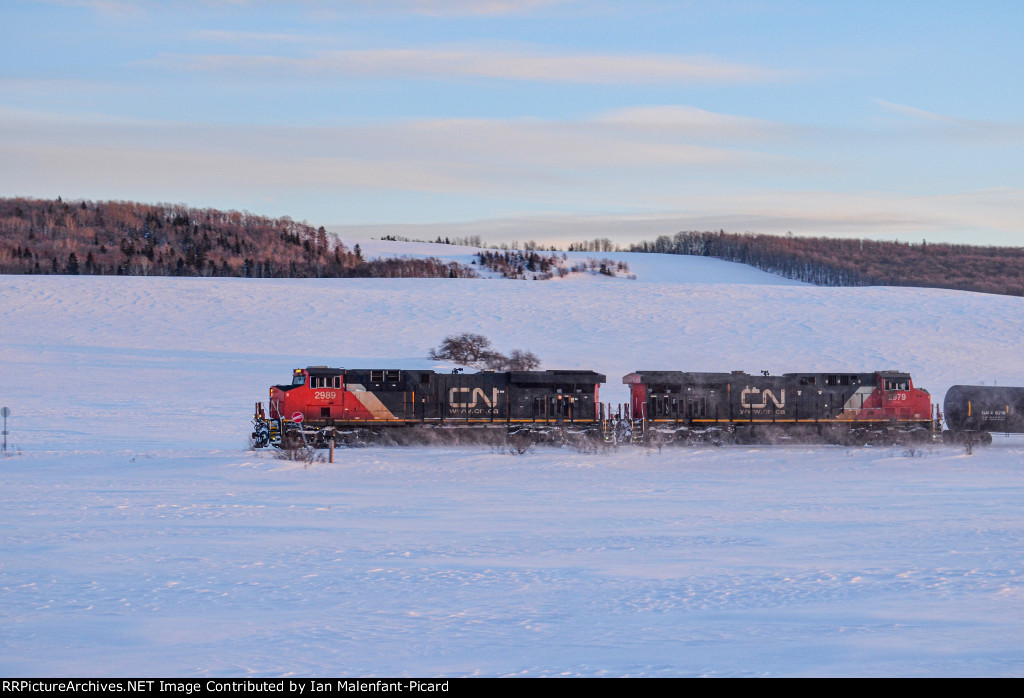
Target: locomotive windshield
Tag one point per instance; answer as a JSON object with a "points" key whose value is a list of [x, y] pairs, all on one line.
{"points": [[299, 379]]}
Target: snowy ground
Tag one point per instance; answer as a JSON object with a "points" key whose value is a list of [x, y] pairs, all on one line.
{"points": [[138, 536]]}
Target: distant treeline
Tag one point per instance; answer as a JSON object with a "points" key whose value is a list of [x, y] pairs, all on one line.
{"points": [[127, 238], [843, 262]]}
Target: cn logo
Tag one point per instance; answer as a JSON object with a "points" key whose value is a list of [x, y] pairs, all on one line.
{"points": [[748, 395], [457, 397]]}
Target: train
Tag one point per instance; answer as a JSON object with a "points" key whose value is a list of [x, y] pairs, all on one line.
{"points": [[323, 405]]}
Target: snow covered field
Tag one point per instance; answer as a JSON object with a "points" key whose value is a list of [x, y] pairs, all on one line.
{"points": [[139, 536]]}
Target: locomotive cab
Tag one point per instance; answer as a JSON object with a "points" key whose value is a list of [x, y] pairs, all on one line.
{"points": [[312, 392], [900, 399]]}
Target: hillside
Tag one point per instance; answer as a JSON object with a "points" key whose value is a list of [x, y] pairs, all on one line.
{"points": [[132, 239], [846, 262]]}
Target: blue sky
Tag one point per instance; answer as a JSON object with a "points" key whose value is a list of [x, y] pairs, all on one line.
{"points": [[545, 119]]}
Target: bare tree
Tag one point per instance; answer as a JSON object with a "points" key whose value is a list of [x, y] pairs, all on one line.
{"points": [[496, 361], [469, 349], [520, 360]]}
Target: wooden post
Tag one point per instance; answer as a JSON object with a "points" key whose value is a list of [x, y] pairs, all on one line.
{"points": [[332, 448]]}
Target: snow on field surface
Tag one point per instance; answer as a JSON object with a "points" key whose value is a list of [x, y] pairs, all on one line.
{"points": [[139, 536]]}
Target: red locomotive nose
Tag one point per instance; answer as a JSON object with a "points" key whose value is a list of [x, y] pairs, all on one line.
{"points": [[901, 400]]}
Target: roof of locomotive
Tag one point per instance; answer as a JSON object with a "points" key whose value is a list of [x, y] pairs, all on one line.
{"points": [[556, 376], [677, 376], [546, 376], [698, 377]]}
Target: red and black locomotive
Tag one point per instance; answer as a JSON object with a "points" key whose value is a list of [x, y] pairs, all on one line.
{"points": [[836, 407], [323, 403]]}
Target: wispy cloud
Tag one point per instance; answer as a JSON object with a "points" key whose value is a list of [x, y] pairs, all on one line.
{"points": [[974, 129], [913, 112], [554, 145], [432, 8], [115, 7], [476, 7], [592, 159], [236, 36], [451, 63], [687, 121]]}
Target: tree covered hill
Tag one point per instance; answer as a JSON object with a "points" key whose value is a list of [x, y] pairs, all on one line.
{"points": [[850, 262], [123, 237]]}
